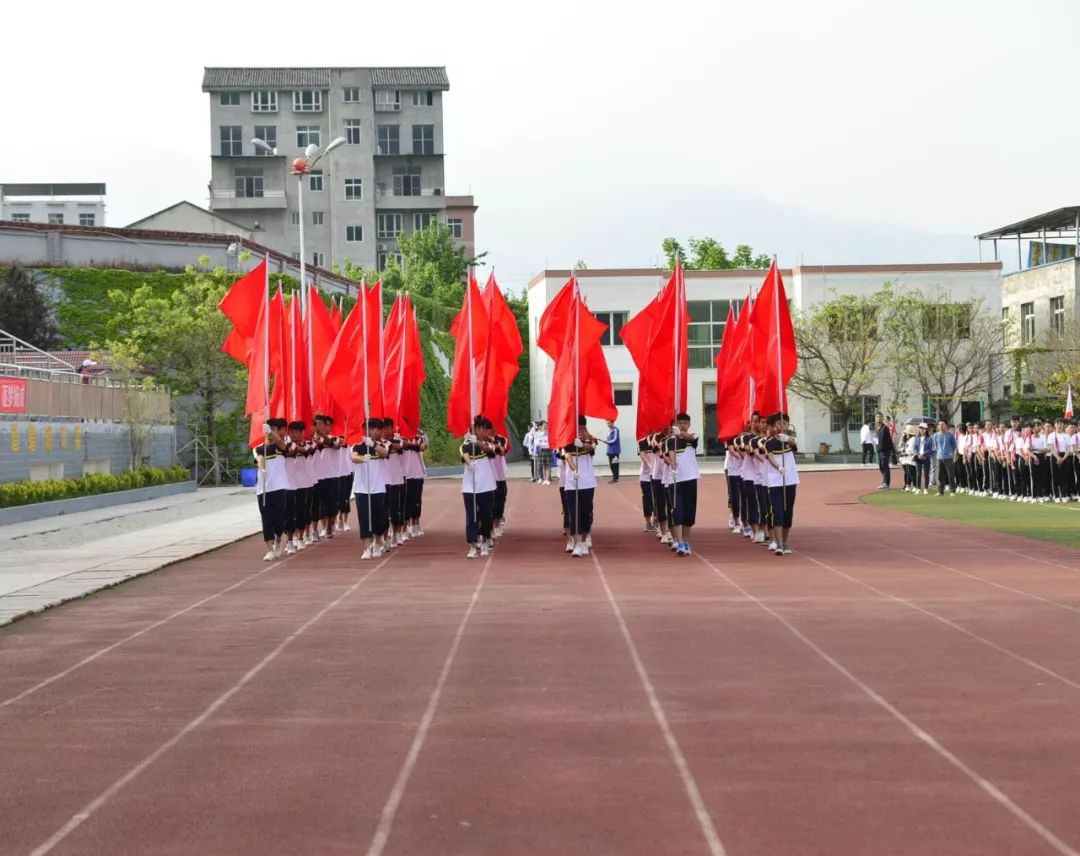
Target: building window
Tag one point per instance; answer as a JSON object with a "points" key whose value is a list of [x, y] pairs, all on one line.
{"points": [[1057, 314], [229, 99], [423, 99], [318, 259], [1029, 389], [56, 219], [249, 182], [315, 181], [294, 217], [307, 101], [383, 258], [351, 94], [1004, 313], [231, 141], [864, 410], [947, 321], [387, 100], [20, 217], [388, 225], [421, 220], [423, 139], [1006, 391], [454, 225], [264, 101], [86, 219], [316, 218], [352, 132], [268, 134], [1027, 323], [354, 188], [614, 320], [406, 181], [705, 331], [389, 140], [307, 135], [354, 233], [624, 394]]}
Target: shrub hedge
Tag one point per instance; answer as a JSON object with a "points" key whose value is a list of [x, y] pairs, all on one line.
{"points": [[28, 492]]}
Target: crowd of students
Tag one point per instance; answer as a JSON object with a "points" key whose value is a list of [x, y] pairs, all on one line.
{"points": [[305, 485], [1036, 462]]}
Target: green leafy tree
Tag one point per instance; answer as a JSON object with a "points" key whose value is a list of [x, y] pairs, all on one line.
{"points": [[24, 311], [709, 254], [841, 350], [176, 339]]}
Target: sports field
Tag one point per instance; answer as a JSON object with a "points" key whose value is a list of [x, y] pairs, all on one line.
{"points": [[899, 685]]}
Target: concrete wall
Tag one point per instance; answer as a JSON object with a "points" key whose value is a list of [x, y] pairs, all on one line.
{"points": [[40, 209], [630, 290], [77, 448], [1038, 285], [189, 218]]}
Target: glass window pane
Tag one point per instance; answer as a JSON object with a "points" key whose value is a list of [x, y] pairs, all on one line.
{"points": [[717, 333], [719, 310], [700, 358], [699, 310], [699, 334]]}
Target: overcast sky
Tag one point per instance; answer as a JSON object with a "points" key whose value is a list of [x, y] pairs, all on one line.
{"points": [[826, 132]]}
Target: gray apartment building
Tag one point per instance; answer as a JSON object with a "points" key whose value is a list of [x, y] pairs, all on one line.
{"points": [[387, 178]]}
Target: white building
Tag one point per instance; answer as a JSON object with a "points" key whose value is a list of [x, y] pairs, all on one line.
{"points": [[54, 204], [617, 294]]}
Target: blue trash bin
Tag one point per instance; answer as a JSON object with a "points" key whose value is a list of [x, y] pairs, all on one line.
{"points": [[249, 476]]}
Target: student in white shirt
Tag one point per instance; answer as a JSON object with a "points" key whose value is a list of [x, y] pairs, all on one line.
{"points": [[367, 482], [866, 438], [657, 478], [542, 454], [682, 459], [527, 445], [478, 486], [412, 466], [645, 453], [498, 505], [270, 487], [782, 477], [580, 489]]}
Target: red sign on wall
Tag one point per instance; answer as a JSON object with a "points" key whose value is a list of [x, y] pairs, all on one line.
{"points": [[12, 395]]}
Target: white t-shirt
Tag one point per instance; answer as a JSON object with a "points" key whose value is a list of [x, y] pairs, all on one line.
{"points": [[367, 476], [540, 442], [865, 434], [645, 472], [478, 476], [733, 462], [687, 464], [498, 464], [273, 477], [1038, 443], [785, 471], [586, 475]]}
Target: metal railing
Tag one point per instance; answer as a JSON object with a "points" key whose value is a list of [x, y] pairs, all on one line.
{"points": [[69, 395], [14, 351]]}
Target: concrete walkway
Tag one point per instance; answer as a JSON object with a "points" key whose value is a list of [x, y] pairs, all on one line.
{"points": [[47, 562]]}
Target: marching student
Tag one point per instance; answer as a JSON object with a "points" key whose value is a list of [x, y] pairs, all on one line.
{"points": [[326, 484], [659, 491], [345, 471], [613, 441], [682, 461], [478, 486], [370, 490], [1025, 464], [580, 488], [270, 487], [782, 477], [751, 503], [733, 463], [761, 489], [297, 505], [395, 483], [648, 508], [498, 464], [414, 470]]}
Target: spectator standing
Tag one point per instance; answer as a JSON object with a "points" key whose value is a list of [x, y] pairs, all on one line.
{"points": [[886, 448], [944, 446], [866, 438], [613, 441]]}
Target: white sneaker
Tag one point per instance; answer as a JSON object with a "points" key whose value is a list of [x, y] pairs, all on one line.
{"points": [[290, 550], [579, 551], [731, 523], [279, 551], [759, 538], [473, 553], [369, 553], [666, 539], [321, 535], [269, 557], [484, 549], [301, 544], [772, 546], [419, 529], [345, 527], [588, 541], [570, 545], [376, 551]]}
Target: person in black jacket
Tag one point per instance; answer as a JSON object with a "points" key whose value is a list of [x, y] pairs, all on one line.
{"points": [[886, 448]]}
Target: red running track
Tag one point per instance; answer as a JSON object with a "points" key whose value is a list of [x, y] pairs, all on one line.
{"points": [[898, 686]]}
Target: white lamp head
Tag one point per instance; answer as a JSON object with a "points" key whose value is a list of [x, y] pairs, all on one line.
{"points": [[311, 151], [265, 146], [337, 141]]}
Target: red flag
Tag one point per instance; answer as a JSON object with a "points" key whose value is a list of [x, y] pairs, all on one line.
{"points": [[373, 350], [470, 329], [242, 305], [774, 344], [581, 375], [415, 375], [322, 334], [499, 364], [336, 318], [339, 366], [554, 321], [723, 355], [264, 361], [298, 384], [734, 391], [353, 363], [404, 366], [394, 369]]}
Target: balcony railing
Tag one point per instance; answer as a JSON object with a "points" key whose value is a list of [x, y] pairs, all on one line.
{"points": [[387, 107], [232, 194]]}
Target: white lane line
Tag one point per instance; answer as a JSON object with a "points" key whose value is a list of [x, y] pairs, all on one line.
{"points": [[919, 733], [101, 652], [386, 818], [708, 829], [88, 810]]}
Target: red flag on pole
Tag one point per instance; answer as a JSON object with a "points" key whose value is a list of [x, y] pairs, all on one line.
{"points": [[499, 364], [774, 344], [264, 362], [470, 329], [242, 305], [734, 390], [1068, 404], [322, 333]]}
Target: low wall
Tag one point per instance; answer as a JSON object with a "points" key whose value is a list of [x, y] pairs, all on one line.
{"points": [[58, 507], [73, 449]]}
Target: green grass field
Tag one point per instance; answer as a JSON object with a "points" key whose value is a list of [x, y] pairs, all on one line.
{"points": [[1049, 522]]}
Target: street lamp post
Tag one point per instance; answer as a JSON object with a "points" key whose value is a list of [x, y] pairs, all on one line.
{"points": [[302, 167]]}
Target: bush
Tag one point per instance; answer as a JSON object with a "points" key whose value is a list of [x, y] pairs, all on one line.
{"points": [[28, 492]]}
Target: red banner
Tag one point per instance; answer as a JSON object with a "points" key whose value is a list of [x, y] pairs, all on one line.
{"points": [[12, 395]]}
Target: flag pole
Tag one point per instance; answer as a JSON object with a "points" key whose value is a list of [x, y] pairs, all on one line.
{"points": [[577, 398], [266, 341], [776, 313], [472, 387], [367, 403]]}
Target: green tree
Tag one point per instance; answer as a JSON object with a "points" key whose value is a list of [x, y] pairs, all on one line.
{"points": [[709, 254], [24, 311], [177, 338], [841, 350]]}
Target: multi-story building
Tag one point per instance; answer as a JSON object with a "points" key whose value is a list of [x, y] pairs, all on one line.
{"points": [[387, 179], [461, 220], [616, 295], [56, 204]]}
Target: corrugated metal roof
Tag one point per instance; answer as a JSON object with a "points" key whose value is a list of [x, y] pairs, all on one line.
{"points": [[265, 78], [425, 78]]}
